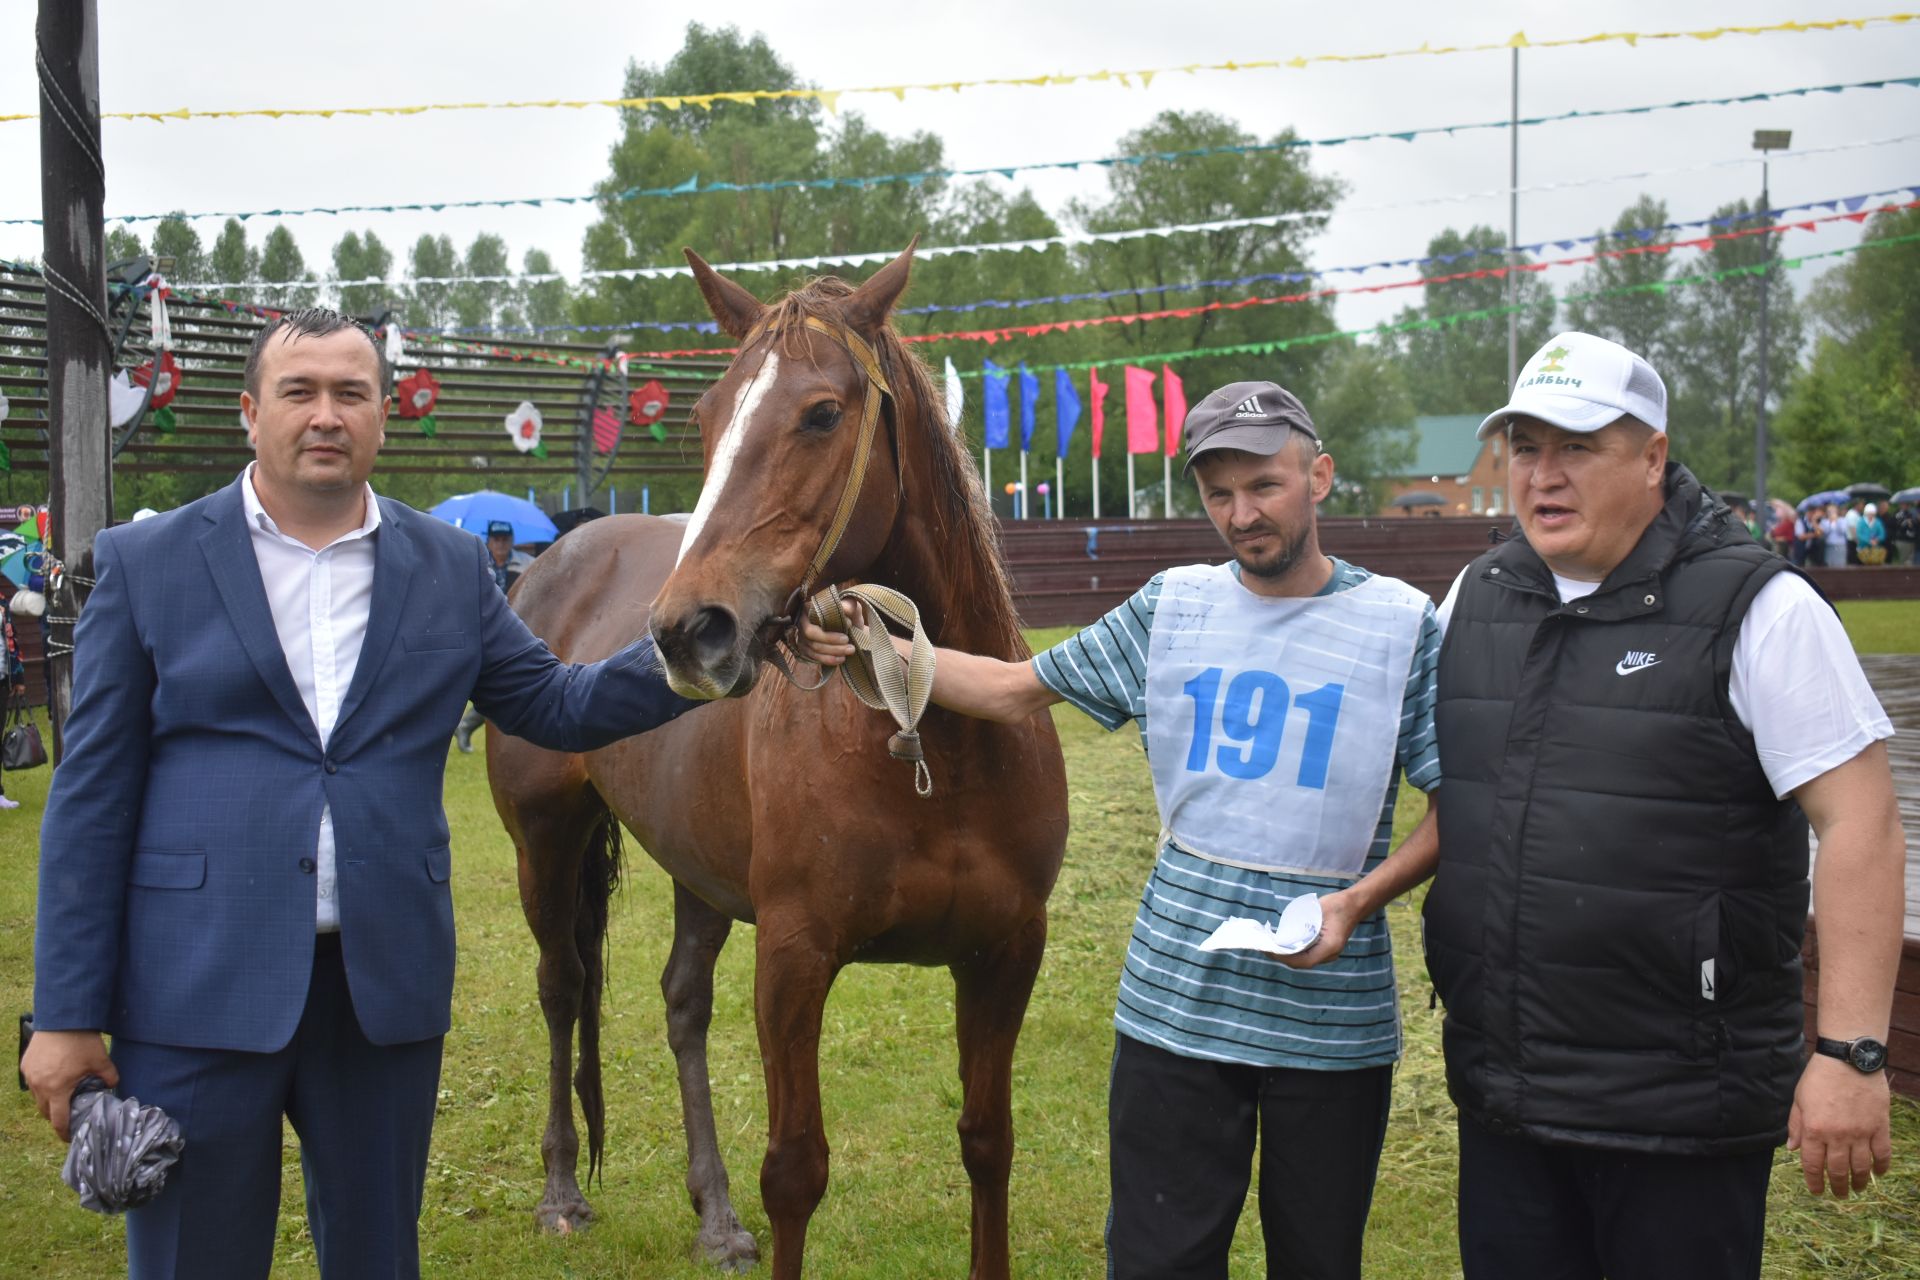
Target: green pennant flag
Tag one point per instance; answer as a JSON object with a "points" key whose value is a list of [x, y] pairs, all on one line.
{"points": [[658, 430], [163, 418], [428, 427]]}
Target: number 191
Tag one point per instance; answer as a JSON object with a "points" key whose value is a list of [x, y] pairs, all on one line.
{"points": [[1254, 713]]}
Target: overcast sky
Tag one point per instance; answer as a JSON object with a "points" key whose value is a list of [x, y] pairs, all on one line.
{"points": [[208, 55]]}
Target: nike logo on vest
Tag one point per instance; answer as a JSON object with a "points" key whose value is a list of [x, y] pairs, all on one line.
{"points": [[1636, 660]]}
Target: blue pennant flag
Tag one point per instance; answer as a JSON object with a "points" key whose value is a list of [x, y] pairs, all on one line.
{"points": [[995, 384], [1066, 405], [1029, 400]]}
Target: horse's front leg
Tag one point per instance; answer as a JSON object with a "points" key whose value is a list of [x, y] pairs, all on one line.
{"points": [[990, 1001], [699, 931], [794, 968]]}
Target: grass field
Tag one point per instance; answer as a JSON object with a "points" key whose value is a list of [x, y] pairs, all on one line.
{"points": [[897, 1205]]}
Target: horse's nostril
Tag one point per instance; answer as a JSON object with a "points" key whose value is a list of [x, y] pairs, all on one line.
{"points": [[714, 633]]}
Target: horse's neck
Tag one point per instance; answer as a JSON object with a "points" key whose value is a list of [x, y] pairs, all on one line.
{"points": [[958, 600]]}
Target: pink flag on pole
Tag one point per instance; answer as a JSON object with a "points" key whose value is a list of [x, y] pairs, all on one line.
{"points": [[1097, 394], [1143, 415], [1175, 394]]}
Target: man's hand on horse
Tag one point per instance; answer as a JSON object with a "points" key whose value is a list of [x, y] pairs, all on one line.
{"points": [[829, 648]]}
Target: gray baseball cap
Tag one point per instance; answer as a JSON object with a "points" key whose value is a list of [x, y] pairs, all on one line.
{"points": [[1254, 417]]}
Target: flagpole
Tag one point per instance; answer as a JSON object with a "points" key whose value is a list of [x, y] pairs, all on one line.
{"points": [[1166, 487], [1130, 484], [1096, 488], [986, 472], [1023, 484], [1060, 487]]}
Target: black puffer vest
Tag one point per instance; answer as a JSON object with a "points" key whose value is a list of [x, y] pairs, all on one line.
{"points": [[1616, 922]]}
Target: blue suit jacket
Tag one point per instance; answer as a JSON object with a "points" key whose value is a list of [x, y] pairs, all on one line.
{"points": [[177, 892]]}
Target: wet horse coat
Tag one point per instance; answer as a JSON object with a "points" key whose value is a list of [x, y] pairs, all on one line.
{"points": [[778, 806]]}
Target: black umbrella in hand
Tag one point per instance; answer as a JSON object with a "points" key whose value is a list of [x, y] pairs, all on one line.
{"points": [[121, 1151]]}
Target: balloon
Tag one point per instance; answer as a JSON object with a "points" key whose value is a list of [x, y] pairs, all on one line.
{"points": [[1012, 488], [1043, 487]]}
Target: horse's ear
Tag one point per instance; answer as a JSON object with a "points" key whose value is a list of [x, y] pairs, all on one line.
{"points": [[870, 304], [734, 307]]}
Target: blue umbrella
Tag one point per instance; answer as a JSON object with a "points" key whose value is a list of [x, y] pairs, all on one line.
{"points": [[475, 511], [1837, 497]]}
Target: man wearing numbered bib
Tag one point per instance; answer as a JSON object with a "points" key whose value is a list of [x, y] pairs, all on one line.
{"points": [[1280, 698], [1640, 711]]}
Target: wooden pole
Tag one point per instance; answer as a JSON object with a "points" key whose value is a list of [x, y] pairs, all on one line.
{"points": [[73, 179]]}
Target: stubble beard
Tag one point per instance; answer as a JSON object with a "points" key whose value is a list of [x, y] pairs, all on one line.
{"points": [[1277, 563]]}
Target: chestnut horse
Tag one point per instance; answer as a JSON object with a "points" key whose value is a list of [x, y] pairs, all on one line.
{"points": [[780, 806]]}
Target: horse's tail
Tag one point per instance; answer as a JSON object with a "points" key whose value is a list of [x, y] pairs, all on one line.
{"points": [[599, 877]]}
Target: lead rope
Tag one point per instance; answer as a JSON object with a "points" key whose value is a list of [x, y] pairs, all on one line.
{"points": [[877, 674]]}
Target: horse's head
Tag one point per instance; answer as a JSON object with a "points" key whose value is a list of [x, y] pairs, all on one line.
{"points": [[802, 482]]}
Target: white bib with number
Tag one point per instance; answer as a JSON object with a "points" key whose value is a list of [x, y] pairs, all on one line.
{"points": [[1272, 723]]}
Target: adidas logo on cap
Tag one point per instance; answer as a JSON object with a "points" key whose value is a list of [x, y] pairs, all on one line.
{"points": [[1249, 408]]}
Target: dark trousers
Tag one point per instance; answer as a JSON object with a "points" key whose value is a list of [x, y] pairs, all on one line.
{"points": [[1182, 1133], [364, 1113], [1577, 1213]]}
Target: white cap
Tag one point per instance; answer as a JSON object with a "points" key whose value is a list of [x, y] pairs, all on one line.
{"points": [[1582, 383]]}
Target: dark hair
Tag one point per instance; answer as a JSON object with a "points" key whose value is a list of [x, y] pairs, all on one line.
{"points": [[315, 322]]}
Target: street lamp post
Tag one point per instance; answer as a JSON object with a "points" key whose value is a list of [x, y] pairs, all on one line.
{"points": [[1764, 141]]}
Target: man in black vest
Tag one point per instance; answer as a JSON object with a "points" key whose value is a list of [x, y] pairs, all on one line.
{"points": [[1639, 712]]}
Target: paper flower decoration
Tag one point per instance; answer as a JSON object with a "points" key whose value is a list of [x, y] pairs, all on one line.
{"points": [[5, 408], [647, 405], [416, 394], [165, 383], [523, 427]]}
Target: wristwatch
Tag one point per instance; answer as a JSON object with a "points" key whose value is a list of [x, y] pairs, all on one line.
{"points": [[1865, 1055]]}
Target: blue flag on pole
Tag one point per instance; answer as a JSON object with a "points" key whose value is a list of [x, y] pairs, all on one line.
{"points": [[995, 385], [1066, 406], [1029, 401]]}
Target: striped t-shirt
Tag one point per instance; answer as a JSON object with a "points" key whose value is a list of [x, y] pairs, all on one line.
{"points": [[1241, 1006]]}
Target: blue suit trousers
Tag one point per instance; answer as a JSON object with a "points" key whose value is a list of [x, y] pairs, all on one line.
{"points": [[363, 1113]]}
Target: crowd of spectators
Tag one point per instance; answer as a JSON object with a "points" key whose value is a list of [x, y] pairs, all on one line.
{"points": [[1830, 536]]}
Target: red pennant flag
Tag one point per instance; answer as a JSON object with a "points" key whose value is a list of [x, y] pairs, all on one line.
{"points": [[1098, 397], [1175, 394], [1143, 415], [606, 430]]}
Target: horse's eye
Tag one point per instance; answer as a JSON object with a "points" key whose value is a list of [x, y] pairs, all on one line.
{"points": [[824, 416]]}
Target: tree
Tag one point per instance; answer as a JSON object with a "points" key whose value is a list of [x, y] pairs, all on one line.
{"points": [[537, 303], [739, 143], [1460, 366], [1713, 373], [429, 304], [1638, 314], [281, 262], [1364, 413], [1855, 413], [233, 258], [174, 237], [476, 304], [357, 257], [1200, 189], [123, 245]]}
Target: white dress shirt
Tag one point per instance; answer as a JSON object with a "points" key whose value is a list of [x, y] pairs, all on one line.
{"points": [[320, 601]]}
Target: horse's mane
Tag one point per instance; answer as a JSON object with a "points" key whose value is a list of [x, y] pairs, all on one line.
{"points": [[962, 517]]}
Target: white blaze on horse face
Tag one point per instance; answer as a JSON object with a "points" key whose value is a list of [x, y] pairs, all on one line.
{"points": [[732, 437]]}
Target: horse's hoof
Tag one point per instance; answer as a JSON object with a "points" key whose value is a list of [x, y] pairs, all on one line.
{"points": [[731, 1251], [564, 1218]]}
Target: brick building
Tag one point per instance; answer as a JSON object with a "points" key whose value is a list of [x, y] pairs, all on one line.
{"points": [[1469, 475]]}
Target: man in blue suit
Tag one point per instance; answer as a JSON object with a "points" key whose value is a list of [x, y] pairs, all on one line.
{"points": [[244, 867]]}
